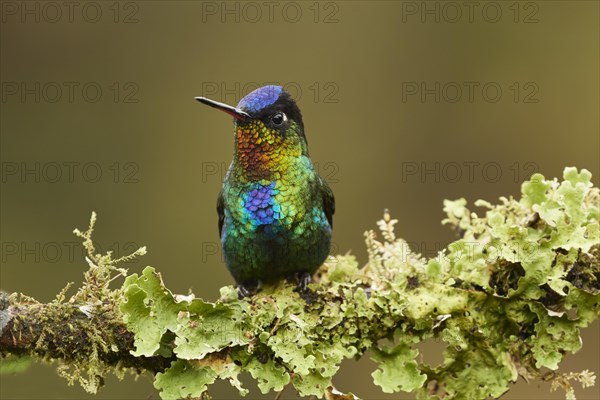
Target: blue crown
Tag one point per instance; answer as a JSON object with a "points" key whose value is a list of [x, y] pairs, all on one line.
{"points": [[260, 98]]}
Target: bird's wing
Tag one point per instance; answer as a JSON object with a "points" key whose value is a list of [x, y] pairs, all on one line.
{"points": [[328, 200], [221, 212]]}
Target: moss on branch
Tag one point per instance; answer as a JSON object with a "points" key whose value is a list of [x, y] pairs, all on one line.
{"points": [[71, 333], [508, 299]]}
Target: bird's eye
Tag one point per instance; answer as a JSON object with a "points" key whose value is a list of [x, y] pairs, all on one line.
{"points": [[278, 119]]}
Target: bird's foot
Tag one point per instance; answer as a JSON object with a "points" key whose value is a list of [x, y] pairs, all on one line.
{"points": [[245, 289], [304, 278]]}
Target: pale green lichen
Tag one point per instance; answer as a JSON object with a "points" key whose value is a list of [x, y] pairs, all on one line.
{"points": [[508, 299], [398, 368], [78, 337], [498, 297], [93, 297]]}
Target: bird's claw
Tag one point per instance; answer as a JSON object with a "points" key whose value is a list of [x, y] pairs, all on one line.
{"points": [[243, 291], [248, 288], [304, 279]]}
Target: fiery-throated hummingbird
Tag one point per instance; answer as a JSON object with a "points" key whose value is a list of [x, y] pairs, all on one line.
{"points": [[275, 211]]}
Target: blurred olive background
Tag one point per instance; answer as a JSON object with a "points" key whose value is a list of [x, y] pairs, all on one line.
{"points": [[97, 113]]}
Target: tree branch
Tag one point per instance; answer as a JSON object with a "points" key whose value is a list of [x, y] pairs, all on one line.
{"points": [[508, 299], [68, 331]]}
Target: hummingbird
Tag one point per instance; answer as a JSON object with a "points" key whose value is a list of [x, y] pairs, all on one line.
{"points": [[275, 211]]}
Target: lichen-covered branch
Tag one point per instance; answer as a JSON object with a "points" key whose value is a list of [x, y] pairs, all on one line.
{"points": [[508, 298], [64, 330], [87, 333]]}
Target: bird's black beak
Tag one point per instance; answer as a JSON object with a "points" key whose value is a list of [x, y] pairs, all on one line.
{"points": [[233, 111]]}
